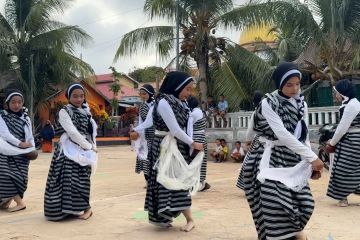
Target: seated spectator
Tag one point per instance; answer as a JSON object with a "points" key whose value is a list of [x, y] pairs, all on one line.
{"points": [[224, 152], [47, 134], [216, 153], [223, 107], [238, 153], [210, 109]]}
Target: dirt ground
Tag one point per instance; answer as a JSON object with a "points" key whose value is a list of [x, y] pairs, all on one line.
{"points": [[117, 200]]}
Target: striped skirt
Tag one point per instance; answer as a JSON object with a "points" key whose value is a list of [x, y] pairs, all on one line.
{"points": [[13, 176], [67, 188], [163, 204], [345, 174], [278, 212], [200, 138], [142, 165]]}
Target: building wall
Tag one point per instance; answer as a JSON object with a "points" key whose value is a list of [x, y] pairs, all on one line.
{"points": [[49, 112]]}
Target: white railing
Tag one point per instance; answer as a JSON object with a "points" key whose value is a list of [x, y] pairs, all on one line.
{"points": [[317, 116]]}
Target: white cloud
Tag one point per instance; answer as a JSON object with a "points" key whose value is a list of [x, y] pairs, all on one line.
{"points": [[106, 21]]}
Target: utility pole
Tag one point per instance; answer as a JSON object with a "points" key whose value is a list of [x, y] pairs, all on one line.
{"points": [[177, 35]]}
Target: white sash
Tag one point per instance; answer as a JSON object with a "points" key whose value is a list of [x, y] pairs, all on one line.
{"points": [[295, 178]]}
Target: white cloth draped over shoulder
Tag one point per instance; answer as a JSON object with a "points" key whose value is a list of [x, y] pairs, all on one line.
{"points": [[74, 144], [9, 143], [295, 177]]}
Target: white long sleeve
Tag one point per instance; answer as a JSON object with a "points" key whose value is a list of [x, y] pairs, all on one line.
{"points": [[285, 137], [74, 134], [351, 110], [147, 123], [168, 116], [197, 114], [6, 135]]}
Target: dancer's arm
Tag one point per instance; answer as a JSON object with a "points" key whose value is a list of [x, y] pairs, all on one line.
{"points": [[66, 122], [168, 116], [286, 138], [350, 112]]}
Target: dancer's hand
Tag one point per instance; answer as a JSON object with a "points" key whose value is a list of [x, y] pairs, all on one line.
{"points": [[315, 175], [329, 148], [197, 146], [317, 165], [134, 135], [25, 145]]}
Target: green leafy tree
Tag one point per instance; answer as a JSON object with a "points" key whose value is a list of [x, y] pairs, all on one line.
{"points": [[39, 49]]}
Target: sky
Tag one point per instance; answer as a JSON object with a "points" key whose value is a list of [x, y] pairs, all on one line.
{"points": [[106, 21]]}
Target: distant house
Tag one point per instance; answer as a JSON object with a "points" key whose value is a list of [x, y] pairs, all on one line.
{"points": [[128, 96], [97, 101]]}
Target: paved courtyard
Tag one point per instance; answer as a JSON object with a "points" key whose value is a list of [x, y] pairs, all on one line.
{"points": [[117, 200]]}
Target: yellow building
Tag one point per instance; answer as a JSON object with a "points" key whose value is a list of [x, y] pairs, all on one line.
{"points": [[250, 38]]}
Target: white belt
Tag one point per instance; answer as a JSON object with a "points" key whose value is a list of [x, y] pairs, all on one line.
{"points": [[161, 133]]}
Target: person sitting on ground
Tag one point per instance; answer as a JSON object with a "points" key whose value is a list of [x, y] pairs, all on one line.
{"points": [[224, 152], [238, 153], [223, 107], [47, 134], [218, 149]]}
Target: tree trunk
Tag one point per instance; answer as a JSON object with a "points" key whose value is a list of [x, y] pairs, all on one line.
{"points": [[203, 67]]}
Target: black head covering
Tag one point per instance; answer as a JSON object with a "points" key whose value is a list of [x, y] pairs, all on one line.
{"points": [[175, 82], [346, 88], [9, 95], [149, 90], [192, 102], [71, 88], [257, 97], [283, 72], [12, 93]]}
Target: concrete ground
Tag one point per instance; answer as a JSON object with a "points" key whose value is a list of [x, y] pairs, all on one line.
{"points": [[117, 200]]}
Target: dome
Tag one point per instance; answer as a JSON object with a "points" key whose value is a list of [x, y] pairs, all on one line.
{"points": [[253, 34]]}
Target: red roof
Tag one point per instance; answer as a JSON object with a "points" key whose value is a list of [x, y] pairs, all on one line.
{"points": [[104, 87], [104, 78]]}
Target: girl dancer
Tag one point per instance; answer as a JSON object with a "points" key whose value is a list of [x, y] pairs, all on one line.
{"points": [[280, 161], [68, 184], [196, 130], [16, 142], [146, 132], [170, 115], [345, 173]]}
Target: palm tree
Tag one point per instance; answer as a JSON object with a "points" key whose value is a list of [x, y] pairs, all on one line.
{"points": [[198, 21], [39, 49], [327, 31]]}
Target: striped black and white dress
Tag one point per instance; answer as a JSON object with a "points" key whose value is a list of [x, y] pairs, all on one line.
{"points": [[142, 165], [68, 184], [162, 204], [345, 173], [199, 136], [14, 169], [240, 180], [278, 211]]}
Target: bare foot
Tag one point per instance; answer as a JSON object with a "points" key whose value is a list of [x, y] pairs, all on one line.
{"points": [[188, 227], [301, 236], [17, 208], [6, 204], [343, 203], [87, 214]]}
